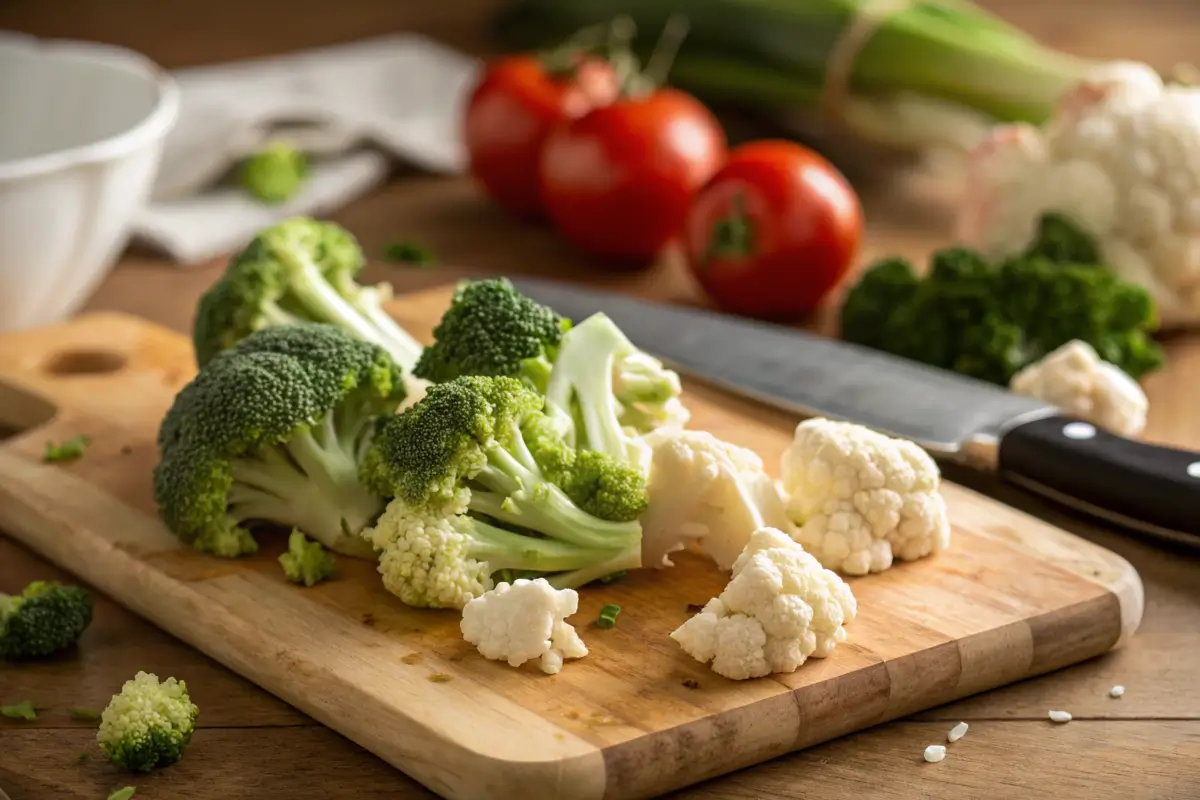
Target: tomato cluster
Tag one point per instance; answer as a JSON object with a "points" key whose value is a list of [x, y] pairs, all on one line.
{"points": [[768, 229]]}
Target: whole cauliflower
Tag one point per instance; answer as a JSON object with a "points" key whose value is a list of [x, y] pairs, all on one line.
{"points": [[1121, 159], [524, 620], [1075, 379], [148, 724], [860, 498], [707, 491], [780, 608]]}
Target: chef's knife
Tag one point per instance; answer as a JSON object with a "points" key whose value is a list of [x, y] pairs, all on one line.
{"points": [[1141, 486]]}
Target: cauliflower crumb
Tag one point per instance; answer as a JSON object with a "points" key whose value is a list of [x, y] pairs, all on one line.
{"points": [[935, 753], [522, 621], [957, 732], [706, 491], [780, 608], [861, 499], [1075, 379], [1116, 691], [1060, 716]]}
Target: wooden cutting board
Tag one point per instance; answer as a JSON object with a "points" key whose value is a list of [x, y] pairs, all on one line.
{"points": [[1014, 597]]}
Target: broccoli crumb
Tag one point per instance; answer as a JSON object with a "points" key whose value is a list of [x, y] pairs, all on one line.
{"points": [[70, 450], [306, 562], [410, 253], [275, 174], [608, 616], [411, 658], [84, 714], [123, 794], [84, 756], [616, 576], [691, 683], [439, 677], [23, 710]]}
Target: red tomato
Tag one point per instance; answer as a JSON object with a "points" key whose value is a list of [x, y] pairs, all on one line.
{"points": [[516, 104], [617, 181], [774, 231]]}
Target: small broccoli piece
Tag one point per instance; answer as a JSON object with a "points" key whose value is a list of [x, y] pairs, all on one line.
{"points": [[275, 173], [492, 329], [272, 432], [299, 270], [990, 320], [471, 500], [123, 794], [306, 562], [409, 253], [23, 711], [148, 724], [45, 618], [84, 714], [1060, 240], [70, 450]]}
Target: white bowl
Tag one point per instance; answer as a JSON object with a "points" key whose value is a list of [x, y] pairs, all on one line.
{"points": [[81, 134]]}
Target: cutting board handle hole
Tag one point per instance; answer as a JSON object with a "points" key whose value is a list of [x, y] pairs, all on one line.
{"points": [[84, 362]]}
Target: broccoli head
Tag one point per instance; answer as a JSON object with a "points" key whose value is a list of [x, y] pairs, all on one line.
{"points": [[273, 431], [148, 724], [274, 174], [471, 500], [1060, 240], [299, 270], [305, 562], [42, 620], [990, 320], [492, 329]]}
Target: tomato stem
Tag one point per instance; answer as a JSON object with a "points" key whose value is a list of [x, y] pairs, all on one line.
{"points": [[665, 50], [563, 60], [732, 235]]}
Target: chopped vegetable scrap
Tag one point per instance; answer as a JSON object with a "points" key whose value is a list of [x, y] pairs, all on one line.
{"points": [[608, 616], [23, 710], [1060, 716], [410, 253], [935, 753], [957, 732], [276, 173], [522, 621], [70, 450], [306, 562]]}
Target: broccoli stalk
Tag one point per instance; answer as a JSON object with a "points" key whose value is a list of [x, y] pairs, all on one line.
{"points": [[44, 619], [471, 499], [299, 270], [273, 431]]}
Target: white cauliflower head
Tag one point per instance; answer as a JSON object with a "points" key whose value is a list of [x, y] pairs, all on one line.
{"points": [[861, 499], [1121, 159], [780, 608], [522, 621], [707, 491], [1075, 379]]}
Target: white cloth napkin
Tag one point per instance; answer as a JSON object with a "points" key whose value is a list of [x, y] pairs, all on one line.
{"points": [[354, 107]]}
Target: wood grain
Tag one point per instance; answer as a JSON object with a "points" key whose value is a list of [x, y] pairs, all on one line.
{"points": [[1013, 598]]}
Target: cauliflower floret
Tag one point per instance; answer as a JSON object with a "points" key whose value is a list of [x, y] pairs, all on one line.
{"points": [[1075, 379], [524, 620], [707, 491], [1121, 159], [861, 499], [780, 608]]}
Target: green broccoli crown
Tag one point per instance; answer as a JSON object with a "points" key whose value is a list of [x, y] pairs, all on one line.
{"points": [[276, 173], [1060, 240], [306, 562], [988, 321], [472, 498], [492, 329], [300, 270], [273, 431], [44, 619], [148, 724]]}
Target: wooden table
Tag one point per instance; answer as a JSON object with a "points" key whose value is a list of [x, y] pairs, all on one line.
{"points": [[250, 745]]}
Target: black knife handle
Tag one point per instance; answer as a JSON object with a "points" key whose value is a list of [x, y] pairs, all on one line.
{"points": [[1141, 486]]}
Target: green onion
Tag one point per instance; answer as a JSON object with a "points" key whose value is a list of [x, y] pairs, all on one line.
{"points": [[608, 616], [922, 74]]}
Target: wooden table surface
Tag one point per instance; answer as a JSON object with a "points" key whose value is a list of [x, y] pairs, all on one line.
{"points": [[250, 745]]}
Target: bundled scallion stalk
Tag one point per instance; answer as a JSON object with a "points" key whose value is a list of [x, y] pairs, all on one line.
{"points": [[901, 73]]}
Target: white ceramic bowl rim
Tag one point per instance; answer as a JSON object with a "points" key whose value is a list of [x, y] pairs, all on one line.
{"points": [[153, 125]]}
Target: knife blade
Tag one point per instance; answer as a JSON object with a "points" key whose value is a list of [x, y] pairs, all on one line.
{"points": [[1149, 488]]}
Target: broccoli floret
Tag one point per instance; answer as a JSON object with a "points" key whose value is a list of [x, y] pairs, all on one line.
{"points": [[274, 174], [990, 320], [272, 432], [148, 724], [306, 562], [42, 620], [492, 329], [299, 270], [1060, 240], [471, 500]]}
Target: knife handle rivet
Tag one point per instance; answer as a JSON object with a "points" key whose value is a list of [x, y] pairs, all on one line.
{"points": [[1078, 430], [1193, 469]]}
